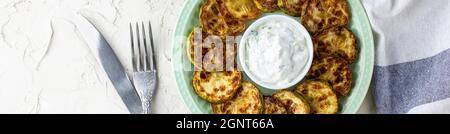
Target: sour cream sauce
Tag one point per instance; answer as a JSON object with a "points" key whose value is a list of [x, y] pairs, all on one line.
{"points": [[276, 52]]}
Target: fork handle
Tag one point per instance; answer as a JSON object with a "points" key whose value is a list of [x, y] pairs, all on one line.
{"points": [[148, 96], [147, 100], [145, 84], [147, 104]]}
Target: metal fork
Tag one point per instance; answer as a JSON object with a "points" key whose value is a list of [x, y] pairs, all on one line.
{"points": [[144, 65]]}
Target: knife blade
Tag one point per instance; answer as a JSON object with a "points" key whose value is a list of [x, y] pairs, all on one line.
{"points": [[110, 63]]}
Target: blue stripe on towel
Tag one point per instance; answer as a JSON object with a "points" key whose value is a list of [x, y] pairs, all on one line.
{"points": [[401, 87]]}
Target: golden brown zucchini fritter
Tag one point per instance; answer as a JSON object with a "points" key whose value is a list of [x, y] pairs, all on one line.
{"points": [[273, 106], [293, 7], [216, 20], [242, 9], [248, 100], [293, 102], [324, 14], [267, 5], [320, 96], [334, 70], [338, 41], [216, 87], [209, 58]]}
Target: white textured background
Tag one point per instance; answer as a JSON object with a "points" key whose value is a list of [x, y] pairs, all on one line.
{"points": [[46, 68]]}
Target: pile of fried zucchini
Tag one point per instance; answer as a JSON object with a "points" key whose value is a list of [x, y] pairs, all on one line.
{"points": [[329, 78]]}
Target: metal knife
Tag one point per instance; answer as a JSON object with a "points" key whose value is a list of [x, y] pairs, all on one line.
{"points": [[110, 63]]}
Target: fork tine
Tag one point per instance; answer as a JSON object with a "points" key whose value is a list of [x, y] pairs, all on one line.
{"points": [[138, 59], [144, 49], [152, 52], [133, 53]]}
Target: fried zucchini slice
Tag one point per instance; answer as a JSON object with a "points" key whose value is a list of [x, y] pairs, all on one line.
{"points": [[216, 20], [293, 7], [324, 14], [334, 70], [192, 44], [208, 58], [293, 102], [248, 100], [233, 26], [266, 5], [273, 106], [338, 41], [242, 9], [216, 87], [320, 96]]}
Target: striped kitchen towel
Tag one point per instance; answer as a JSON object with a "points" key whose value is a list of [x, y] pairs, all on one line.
{"points": [[412, 41]]}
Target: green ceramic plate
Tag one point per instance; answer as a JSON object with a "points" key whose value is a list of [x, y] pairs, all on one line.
{"points": [[362, 69]]}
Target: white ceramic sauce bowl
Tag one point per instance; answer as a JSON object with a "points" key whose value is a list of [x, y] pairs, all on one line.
{"points": [[298, 26]]}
